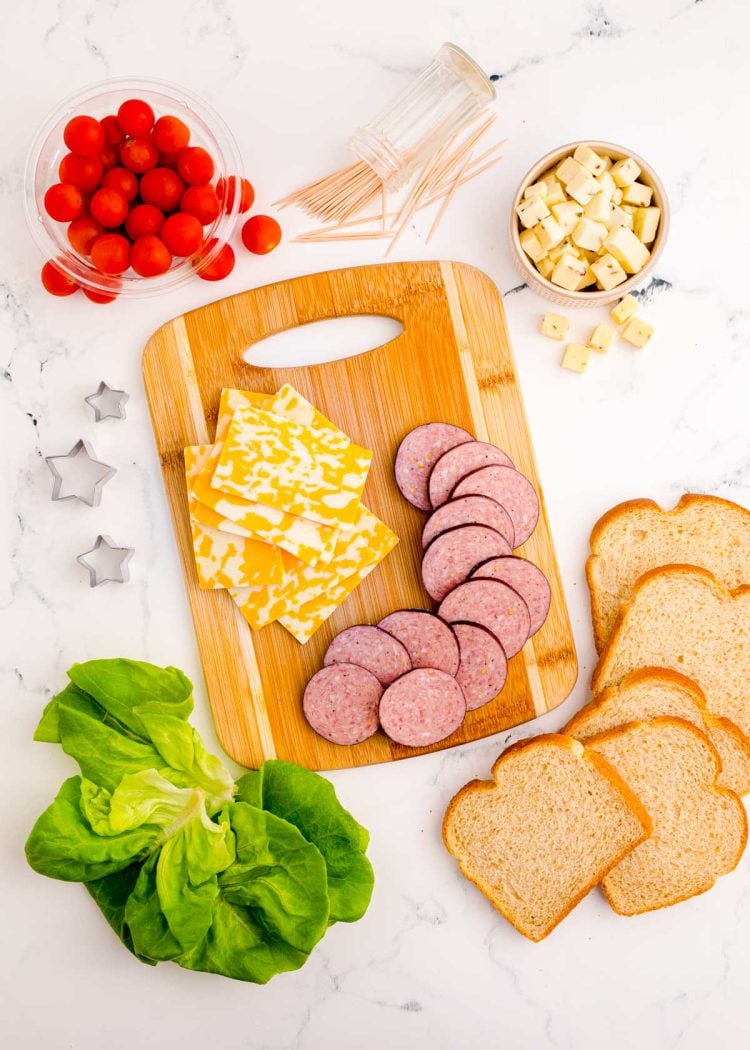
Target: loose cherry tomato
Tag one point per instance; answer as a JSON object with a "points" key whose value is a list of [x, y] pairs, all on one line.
{"points": [[99, 297], [113, 133], [225, 191], [109, 158], [139, 155], [123, 180], [182, 234], [162, 187], [261, 234], [84, 135], [83, 172], [202, 202], [110, 253], [144, 219], [218, 268], [135, 117], [195, 165], [170, 134], [109, 207], [82, 233], [56, 282], [150, 256], [63, 202]]}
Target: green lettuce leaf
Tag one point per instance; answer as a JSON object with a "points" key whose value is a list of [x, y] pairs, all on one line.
{"points": [[111, 895], [122, 686]]}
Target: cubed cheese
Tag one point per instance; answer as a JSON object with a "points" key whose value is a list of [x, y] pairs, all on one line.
{"points": [[631, 253], [537, 189], [620, 217], [588, 278], [607, 184], [583, 187], [624, 309], [559, 250], [589, 234], [545, 266], [590, 160], [608, 272], [607, 163], [625, 171], [637, 331], [599, 208], [576, 357], [532, 210], [549, 232], [555, 190], [532, 247], [555, 326], [567, 214], [638, 194], [601, 338], [569, 272], [568, 169], [646, 223], [617, 197]]}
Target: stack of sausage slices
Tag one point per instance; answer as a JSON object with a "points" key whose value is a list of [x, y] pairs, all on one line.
{"points": [[417, 673]]}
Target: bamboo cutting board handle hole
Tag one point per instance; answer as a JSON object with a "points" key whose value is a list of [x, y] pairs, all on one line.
{"points": [[318, 342]]}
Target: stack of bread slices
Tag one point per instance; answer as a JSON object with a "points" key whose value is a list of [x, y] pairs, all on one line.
{"points": [[641, 791]]}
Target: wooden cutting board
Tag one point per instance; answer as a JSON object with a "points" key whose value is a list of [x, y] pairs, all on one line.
{"points": [[452, 362]]}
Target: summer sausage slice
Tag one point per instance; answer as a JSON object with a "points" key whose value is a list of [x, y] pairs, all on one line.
{"points": [[483, 667], [493, 605], [422, 707], [469, 510], [452, 555], [526, 578], [427, 639], [460, 461], [417, 455], [369, 647], [509, 487], [341, 703]]}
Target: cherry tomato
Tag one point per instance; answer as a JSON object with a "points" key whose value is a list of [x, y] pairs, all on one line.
{"points": [[218, 268], [195, 165], [99, 297], [82, 233], [135, 117], [123, 180], [170, 134], [139, 155], [162, 187], [225, 190], [56, 282], [144, 219], [113, 133], [261, 234], [109, 207], [202, 202], [84, 135], [150, 256], [168, 160], [182, 234], [110, 253], [109, 158], [63, 202], [83, 172]]}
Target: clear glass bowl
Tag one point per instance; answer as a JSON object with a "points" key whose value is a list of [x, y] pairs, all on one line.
{"points": [[207, 129]]}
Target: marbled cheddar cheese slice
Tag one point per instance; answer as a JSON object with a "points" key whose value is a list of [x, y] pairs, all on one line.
{"points": [[231, 399], [289, 403], [302, 623]]}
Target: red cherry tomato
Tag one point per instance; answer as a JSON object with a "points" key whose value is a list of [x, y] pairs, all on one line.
{"points": [[109, 158], [219, 267], [143, 220], [84, 135], [195, 165], [113, 133], [162, 187], [139, 155], [110, 253], [168, 160], [123, 180], [135, 117], [225, 191], [182, 234], [99, 297], [83, 172], [56, 282], [63, 202], [261, 234], [82, 233], [109, 207], [150, 256], [202, 202], [170, 134]]}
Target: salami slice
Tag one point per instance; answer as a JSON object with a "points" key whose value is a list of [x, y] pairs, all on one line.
{"points": [[422, 707], [457, 462], [526, 578], [490, 604], [452, 555], [341, 703], [369, 647], [509, 487], [417, 455], [483, 667], [427, 639], [469, 510]]}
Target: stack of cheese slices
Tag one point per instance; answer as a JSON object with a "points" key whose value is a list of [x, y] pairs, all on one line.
{"points": [[641, 790]]}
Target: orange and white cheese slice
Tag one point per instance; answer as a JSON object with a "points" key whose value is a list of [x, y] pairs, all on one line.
{"points": [[302, 623], [231, 399]]}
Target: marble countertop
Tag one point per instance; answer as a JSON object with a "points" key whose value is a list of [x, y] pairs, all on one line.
{"points": [[431, 964]]}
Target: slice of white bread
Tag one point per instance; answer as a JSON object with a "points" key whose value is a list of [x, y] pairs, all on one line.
{"points": [[653, 691], [699, 829], [680, 617], [547, 829], [637, 536]]}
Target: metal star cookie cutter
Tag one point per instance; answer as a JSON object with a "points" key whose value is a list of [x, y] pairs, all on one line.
{"points": [[79, 474], [106, 562], [107, 402]]}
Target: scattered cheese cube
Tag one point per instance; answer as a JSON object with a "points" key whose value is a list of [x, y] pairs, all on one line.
{"points": [[620, 217], [549, 232], [607, 184], [555, 326], [590, 160], [587, 280], [576, 357], [624, 309], [637, 331], [608, 272], [589, 234], [532, 210], [531, 245], [568, 169], [625, 171], [555, 190], [537, 189], [567, 214], [545, 266], [646, 223], [583, 187], [599, 208], [623, 244], [637, 193], [601, 338], [568, 272]]}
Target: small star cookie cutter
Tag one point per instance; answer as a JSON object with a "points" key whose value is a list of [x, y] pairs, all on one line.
{"points": [[106, 562], [107, 402], [79, 474]]}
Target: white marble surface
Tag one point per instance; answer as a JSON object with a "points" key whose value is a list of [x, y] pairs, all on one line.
{"points": [[431, 965]]}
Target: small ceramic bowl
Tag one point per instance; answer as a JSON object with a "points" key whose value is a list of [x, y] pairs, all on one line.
{"points": [[553, 292]]}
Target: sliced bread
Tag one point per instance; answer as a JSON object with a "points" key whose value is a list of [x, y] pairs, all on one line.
{"points": [[550, 826], [699, 829], [653, 691], [681, 618], [637, 536]]}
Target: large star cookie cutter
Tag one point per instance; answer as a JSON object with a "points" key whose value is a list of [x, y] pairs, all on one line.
{"points": [[79, 474], [106, 562]]}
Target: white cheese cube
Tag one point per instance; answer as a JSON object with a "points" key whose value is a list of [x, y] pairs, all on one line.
{"points": [[532, 247], [617, 197], [624, 309], [576, 357], [619, 217], [631, 253], [638, 194], [532, 210], [559, 250], [583, 187], [555, 191], [601, 338], [588, 278], [646, 223], [549, 232], [568, 170], [607, 183], [625, 171], [638, 332], [590, 160], [537, 189], [545, 266], [599, 208], [567, 214], [589, 234], [608, 272], [555, 326], [608, 162], [568, 272], [589, 256]]}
